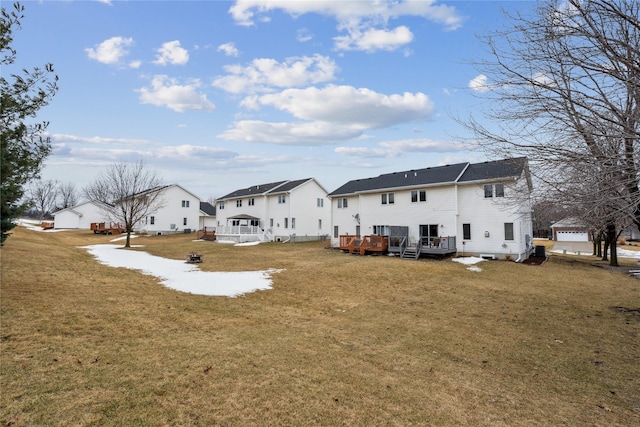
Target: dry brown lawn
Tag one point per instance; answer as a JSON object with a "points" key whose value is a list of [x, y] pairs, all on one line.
{"points": [[339, 340]]}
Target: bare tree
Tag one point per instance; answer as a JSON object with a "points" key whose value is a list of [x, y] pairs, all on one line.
{"points": [[564, 86], [68, 195], [42, 195], [129, 193]]}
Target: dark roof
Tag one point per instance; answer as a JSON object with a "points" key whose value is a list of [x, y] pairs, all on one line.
{"points": [[290, 185], [253, 190], [262, 189], [461, 172], [208, 208], [494, 169]]}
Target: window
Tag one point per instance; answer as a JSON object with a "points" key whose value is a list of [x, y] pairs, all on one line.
{"points": [[153, 220], [320, 202], [239, 203], [184, 221], [286, 223], [418, 195], [489, 190], [335, 232], [342, 203], [254, 222], [508, 231], [252, 202], [221, 206], [466, 231], [185, 203], [293, 223], [270, 222], [388, 198], [381, 230], [319, 224], [282, 198]]}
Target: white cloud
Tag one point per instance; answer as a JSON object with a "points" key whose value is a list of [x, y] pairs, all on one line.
{"points": [[398, 148], [479, 84], [171, 53], [304, 35], [372, 39], [96, 140], [166, 92], [348, 105], [365, 21], [229, 49], [135, 64], [245, 11], [110, 51], [265, 74], [187, 151], [328, 115], [300, 133]]}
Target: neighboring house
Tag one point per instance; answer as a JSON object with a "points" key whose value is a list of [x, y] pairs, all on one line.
{"points": [[279, 211], [80, 216], [478, 209], [207, 216], [180, 212], [570, 230]]}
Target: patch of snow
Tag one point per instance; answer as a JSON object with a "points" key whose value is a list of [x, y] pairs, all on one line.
{"points": [[35, 225], [622, 253], [247, 243], [471, 261], [183, 277], [468, 260], [133, 236]]}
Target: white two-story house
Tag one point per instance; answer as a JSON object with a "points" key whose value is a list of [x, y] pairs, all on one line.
{"points": [[478, 209], [179, 212], [295, 210]]}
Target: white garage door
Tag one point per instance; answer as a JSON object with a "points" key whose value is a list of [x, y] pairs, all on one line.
{"points": [[572, 236]]}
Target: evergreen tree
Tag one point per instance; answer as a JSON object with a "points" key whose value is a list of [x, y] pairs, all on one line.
{"points": [[24, 145]]}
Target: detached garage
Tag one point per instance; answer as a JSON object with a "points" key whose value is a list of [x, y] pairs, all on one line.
{"points": [[79, 217], [570, 230]]}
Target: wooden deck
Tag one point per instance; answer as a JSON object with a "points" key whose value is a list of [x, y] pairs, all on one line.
{"points": [[207, 233], [102, 228], [363, 245], [438, 247]]}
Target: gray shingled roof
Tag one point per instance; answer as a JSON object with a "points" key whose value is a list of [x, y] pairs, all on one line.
{"points": [[208, 208], [262, 189], [255, 190], [290, 185], [435, 175], [494, 169]]}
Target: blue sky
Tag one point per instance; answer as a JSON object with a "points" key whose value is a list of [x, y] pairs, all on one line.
{"points": [[221, 95]]}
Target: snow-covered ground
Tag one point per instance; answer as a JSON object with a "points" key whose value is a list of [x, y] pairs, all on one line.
{"points": [[183, 277], [471, 261], [622, 253]]}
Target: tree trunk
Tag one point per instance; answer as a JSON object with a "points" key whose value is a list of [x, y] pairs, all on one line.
{"points": [[128, 243], [605, 253], [611, 238]]}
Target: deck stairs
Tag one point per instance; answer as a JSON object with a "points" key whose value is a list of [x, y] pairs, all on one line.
{"points": [[411, 252]]}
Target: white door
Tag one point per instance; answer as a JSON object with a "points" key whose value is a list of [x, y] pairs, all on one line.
{"points": [[572, 236]]}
